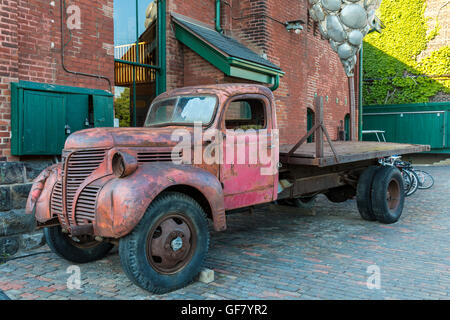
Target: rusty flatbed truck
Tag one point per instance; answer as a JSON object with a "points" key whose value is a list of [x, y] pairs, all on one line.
{"points": [[135, 187]]}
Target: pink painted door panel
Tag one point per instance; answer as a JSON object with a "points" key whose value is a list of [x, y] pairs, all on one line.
{"points": [[248, 153]]}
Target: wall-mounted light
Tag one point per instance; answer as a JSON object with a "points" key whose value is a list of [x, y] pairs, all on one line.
{"points": [[295, 25]]}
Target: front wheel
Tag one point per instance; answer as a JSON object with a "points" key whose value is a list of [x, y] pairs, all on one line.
{"points": [[168, 247], [81, 249]]}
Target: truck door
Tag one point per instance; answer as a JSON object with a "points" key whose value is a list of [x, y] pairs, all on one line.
{"points": [[249, 150]]}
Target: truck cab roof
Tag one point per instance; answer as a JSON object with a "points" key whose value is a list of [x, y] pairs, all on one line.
{"points": [[221, 90]]}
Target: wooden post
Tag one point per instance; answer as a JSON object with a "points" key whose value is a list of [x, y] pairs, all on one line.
{"points": [[319, 132]]}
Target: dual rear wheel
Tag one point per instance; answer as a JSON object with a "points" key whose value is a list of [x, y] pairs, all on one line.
{"points": [[380, 194]]}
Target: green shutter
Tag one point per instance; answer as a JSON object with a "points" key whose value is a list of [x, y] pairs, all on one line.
{"points": [[77, 111], [103, 111], [40, 113], [44, 121]]}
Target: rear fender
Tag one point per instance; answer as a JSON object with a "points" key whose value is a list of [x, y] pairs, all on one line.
{"points": [[122, 202]]}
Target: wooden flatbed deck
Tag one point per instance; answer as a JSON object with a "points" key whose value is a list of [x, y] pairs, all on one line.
{"points": [[347, 151]]}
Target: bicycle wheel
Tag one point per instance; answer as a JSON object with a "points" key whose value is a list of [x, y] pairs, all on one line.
{"points": [[426, 180], [407, 181], [414, 182]]}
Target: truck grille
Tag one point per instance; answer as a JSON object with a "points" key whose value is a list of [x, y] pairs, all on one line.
{"points": [[76, 169], [79, 167], [85, 209]]}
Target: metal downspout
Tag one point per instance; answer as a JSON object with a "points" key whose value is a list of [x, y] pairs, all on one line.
{"points": [[134, 118], [361, 77], [276, 85], [161, 83], [218, 17]]}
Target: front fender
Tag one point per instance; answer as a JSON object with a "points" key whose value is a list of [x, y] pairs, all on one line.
{"points": [[122, 202], [38, 201]]}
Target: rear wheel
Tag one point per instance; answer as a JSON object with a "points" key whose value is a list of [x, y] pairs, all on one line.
{"points": [[82, 249], [364, 193], [388, 196], [168, 247]]}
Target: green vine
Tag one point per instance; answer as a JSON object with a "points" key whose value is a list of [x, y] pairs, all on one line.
{"points": [[392, 57]]}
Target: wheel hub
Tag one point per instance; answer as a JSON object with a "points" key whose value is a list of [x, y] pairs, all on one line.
{"points": [[393, 195], [176, 244], [170, 244]]}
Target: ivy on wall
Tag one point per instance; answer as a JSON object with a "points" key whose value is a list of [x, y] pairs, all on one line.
{"points": [[393, 55]]}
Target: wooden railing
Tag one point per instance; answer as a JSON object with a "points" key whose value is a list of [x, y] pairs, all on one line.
{"points": [[319, 130], [123, 73]]}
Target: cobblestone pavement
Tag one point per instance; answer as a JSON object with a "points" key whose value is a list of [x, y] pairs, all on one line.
{"points": [[281, 253]]}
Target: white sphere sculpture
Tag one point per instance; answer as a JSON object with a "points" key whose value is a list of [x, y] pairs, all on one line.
{"points": [[345, 23]]}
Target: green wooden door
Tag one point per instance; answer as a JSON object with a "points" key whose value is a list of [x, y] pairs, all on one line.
{"points": [[44, 117]]}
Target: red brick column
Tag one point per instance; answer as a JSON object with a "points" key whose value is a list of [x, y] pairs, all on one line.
{"points": [[9, 61]]}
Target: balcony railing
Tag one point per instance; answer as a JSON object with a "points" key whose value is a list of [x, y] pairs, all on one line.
{"points": [[124, 72]]}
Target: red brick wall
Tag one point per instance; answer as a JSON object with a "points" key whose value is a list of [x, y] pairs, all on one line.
{"points": [[8, 70], [30, 49], [310, 64]]}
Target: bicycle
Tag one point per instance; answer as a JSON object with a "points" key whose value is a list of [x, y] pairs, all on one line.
{"points": [[413, 179]]}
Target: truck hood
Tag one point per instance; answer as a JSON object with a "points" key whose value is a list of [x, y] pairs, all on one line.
{"points": [[123, 137]]}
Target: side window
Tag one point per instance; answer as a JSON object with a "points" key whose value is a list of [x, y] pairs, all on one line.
{"points": [[246, 114]]}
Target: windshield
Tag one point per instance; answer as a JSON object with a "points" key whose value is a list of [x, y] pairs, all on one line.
{"points": [[182, 110]]}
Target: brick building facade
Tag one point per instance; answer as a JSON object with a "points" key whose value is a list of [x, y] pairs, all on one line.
{"points": [[30, 47], [311, 67], [30, 51]]}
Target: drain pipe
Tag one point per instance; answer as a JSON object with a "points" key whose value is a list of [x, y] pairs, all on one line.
{"points": [[361, 76], [63, 46], [276, 84], [218, 17]]}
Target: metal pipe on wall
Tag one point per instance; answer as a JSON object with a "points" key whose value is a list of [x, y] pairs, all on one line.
{"points": [[361, 77], [63, 45], [218, 17], [351, 83]]}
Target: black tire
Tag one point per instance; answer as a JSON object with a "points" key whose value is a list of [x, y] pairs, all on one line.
{"points": [[150, 270], [388, 195], [364, 193], [304, 202], [340, 194], [73, 251]]}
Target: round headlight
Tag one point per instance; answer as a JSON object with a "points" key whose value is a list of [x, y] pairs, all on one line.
{"points": [[123, 164]]}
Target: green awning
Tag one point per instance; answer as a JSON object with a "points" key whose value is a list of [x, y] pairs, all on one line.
{"points": [[225, 53]]}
